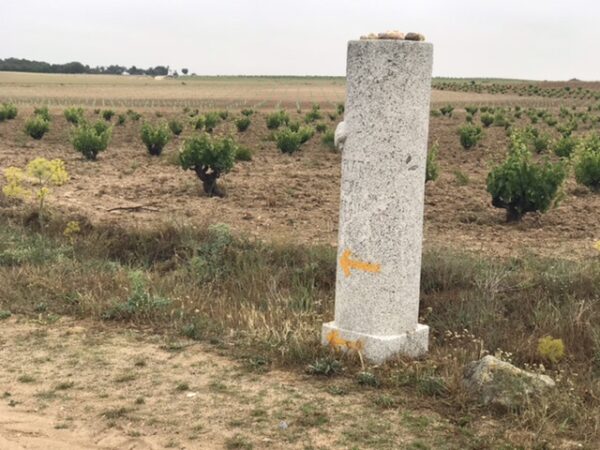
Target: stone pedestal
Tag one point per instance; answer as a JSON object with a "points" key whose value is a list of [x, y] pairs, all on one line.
{"points": [[382, 196]]}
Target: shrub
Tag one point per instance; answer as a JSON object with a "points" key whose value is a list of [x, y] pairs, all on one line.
{"points": [[471, 110], [587, 162], [121, 118], [551, 349], [108, 114], [500, 120], [520, 186], [435, 113], [447, 110], [321, 128], [243, 154], [327, 366], [175, 126], [155, 137], [242, 123], [541, 142], [247, 112], [340, 109], [199, 123], [567, 128], [9, 110], [133, 115], [37, 126], [35, 181], [329, 139], [211, 119], [209, 158], [306, 133], [288, 141], [73, 115], [432, 168], [565, 146], [486, 119], [2, 115], [42, 112], [223, 114], [313, 115], [469, 135], [276, 119], [89, 140], [294, 126]]}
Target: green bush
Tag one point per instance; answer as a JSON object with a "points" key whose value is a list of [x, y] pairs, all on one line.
{"points": [[155, 137], [432, 168], [565, 146], [288, 141], [2, 115], [89, 140], [486, 119], [74, 115], [242, 123], [209, 158], [9, 110], [541, 142], [340, 109], [277, 119], [223, 114], [587, 162], [243, 154], [447, 110], [469, 135], [247, 112], [321, 128], [121, 118], [306, 133], [133, 115], [313, 115], [521, 186], [199, 122], [108, 114], [37, 126], [211, 120], [471, 110], [435, 113], [329, 139], [42, 112], [294, 126], [175, 126]]}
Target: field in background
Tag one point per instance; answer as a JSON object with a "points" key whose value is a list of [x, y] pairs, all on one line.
{"points": [[262, 93]]}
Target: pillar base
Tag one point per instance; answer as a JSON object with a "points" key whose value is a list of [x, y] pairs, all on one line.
{"points": [[378, 349]]}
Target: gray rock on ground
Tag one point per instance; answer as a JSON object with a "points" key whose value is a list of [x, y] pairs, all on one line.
{"points": [[502, 385]]}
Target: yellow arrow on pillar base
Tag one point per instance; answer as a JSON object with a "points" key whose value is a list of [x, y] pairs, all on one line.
{"points": [[349, 264]]}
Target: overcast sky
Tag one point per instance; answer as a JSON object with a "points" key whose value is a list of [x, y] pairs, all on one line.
{"points": [[533, 39]]}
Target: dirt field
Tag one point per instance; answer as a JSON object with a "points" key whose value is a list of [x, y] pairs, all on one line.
{"points": [[296, 197], [73, 385]]}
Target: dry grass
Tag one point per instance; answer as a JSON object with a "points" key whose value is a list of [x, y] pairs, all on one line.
{"points": [[265, 303]]}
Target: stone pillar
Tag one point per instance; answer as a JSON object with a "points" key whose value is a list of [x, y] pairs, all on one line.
{"points": [[382, 197]]}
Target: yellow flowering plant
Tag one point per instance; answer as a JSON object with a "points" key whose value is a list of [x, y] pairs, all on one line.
{"points": [[35, 181]]}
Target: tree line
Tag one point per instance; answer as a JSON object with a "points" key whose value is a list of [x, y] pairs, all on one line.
{"points": [[25, 65]]}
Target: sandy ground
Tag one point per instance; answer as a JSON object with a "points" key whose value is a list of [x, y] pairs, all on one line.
{"points": [[75, 385]]}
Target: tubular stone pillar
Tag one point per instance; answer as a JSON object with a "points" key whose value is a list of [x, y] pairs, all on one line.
{"points": [[382, 197]]}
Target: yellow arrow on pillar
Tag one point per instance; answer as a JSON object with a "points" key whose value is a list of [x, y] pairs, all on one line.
{"points": [[349, 264]]}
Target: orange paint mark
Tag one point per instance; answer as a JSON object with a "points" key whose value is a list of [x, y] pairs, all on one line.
{"points": [[349, 264], [336, 341]]}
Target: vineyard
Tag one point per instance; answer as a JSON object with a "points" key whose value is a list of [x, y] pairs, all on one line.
{"points": [[205, 209]]}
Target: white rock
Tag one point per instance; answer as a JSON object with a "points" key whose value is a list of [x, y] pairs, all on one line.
{"points": [[499, 383]]}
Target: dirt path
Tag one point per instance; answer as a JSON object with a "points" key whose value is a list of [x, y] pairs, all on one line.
{"points": [[70, 385]]}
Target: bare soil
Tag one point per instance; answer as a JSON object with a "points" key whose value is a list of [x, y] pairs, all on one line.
{"points": [[79, 385], [296, 198]]}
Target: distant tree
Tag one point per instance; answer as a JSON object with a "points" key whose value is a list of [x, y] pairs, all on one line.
{"points": [[184, 71]]}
